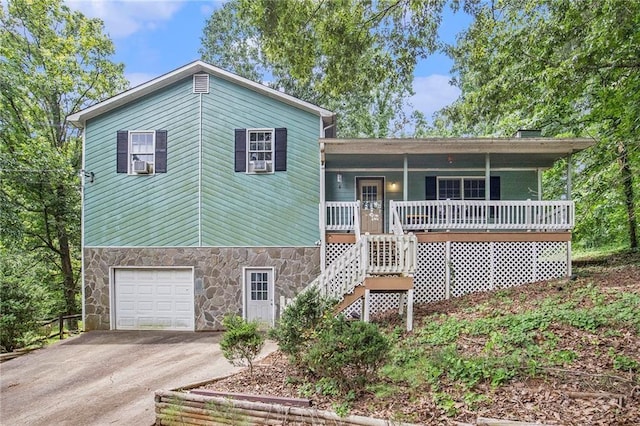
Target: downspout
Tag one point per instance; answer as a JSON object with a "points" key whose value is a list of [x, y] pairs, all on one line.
{"points": [[322, 213], [82, 181], [200, 173], [323, 209]]}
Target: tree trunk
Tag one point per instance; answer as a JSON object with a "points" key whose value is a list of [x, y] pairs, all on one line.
{"points": [[66, 264], [629, 194]]}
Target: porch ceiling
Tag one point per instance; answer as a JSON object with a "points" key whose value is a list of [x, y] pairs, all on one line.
{"points": [[448, 153]]}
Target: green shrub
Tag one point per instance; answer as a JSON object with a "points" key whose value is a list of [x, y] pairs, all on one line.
{"points": [[242, 341], [299, 321], [21, 302], [348, 352]]}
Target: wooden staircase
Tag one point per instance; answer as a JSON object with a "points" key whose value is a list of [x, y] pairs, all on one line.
{"points": [[381, 284], [375, 263]]}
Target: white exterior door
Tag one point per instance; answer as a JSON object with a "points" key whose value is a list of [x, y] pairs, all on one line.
{"points": [[259, 295], [154, 299]]}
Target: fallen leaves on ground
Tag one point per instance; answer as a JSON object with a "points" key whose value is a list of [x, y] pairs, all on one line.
{"points": [[585, 391]]}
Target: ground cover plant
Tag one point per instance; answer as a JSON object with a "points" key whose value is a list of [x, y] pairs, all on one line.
{"points": [[558, 352]]}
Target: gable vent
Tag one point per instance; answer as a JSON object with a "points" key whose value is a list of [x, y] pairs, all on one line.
{"points": [[201, 83]]}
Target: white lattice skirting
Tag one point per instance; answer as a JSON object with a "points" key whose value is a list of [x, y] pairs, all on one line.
{"points": [[451, 269]]}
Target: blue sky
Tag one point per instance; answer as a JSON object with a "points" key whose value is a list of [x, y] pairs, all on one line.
{"points": [[153, 37]]}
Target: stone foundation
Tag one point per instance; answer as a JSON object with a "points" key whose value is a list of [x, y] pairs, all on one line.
{"points": [[217, 273]]}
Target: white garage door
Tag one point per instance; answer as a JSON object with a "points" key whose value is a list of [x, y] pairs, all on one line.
{"points": [[154, 299]]}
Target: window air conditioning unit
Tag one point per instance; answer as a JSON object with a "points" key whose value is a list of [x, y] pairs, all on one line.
{"points": [[140, 167], [260, 166]]}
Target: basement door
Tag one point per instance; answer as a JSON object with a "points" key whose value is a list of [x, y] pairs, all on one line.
{"points": [[371, 197], [259, 295], [153, 299]]}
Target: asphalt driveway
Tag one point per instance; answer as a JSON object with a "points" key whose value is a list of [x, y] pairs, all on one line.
{"points": [[106, 377]]}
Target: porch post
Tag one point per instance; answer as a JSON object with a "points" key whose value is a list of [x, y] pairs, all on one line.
{"points": [[405, 179], [367, 304], [569, 172], [539, 184], [410, 309], [487, 176]]}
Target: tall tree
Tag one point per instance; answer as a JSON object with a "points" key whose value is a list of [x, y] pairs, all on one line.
{"points": [[353, 57], [568, 67], [53, 62]]}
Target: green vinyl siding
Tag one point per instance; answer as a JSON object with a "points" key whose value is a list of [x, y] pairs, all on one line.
{"points": [[144, 210], [240, 209], [278, 209], [518, 185]]}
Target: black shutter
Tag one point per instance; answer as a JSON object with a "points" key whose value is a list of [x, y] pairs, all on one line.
{"points": [[281, 150], [431, 188], [122, 151], [241, 150], [160, 165], [494, 191]]}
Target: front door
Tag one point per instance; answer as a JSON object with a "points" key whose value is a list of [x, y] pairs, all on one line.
{"points": [[371, 197], [259, 295]]}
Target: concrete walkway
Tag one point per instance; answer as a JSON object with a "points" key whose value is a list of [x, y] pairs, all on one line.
{"points": [[106, 378]]}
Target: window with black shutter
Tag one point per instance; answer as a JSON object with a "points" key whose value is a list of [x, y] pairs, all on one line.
{"points": [[141, 152], [259, 151]]}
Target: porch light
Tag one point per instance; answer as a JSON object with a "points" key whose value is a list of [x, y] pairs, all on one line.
{"points": [[339, 177], [450, 159]]}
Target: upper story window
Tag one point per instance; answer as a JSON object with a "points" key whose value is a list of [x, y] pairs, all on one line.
{"points": [[259, 151], [141, 152]]}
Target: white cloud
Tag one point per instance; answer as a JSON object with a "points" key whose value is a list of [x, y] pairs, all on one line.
{"points": [[125, 17], [433, 92]]}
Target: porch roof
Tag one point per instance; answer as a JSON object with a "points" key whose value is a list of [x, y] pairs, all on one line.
{"points": [[449, 152]]}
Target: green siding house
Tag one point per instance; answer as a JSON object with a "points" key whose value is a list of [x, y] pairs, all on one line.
{"points": [[205, 194], [203, 200]]}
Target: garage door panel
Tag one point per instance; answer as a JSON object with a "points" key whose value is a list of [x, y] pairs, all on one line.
{"points": [[164, 290], [154, 299], [164, 307]]}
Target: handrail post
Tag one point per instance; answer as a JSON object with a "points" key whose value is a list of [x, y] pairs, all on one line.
{"points": [[61, 321]]}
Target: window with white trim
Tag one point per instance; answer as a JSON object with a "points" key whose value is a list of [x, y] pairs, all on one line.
{"points": [[461, 188], [260, 145], [259, 282], [141, 152]]}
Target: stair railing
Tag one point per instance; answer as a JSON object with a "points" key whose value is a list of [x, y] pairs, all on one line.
{"points": [[371, 254], [345, 273]]}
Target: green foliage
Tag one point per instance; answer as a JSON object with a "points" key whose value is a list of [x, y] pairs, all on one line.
{"points": [[355, 58], [22, 302], [54, 62], [348, 352], [623, 362], [242, 341], [339, 357], [298, 323], [515, 344], [567, 68]]}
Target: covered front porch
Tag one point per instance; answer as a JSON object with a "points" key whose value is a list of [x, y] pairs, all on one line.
{"points": [[444, 185], [467, 215]]}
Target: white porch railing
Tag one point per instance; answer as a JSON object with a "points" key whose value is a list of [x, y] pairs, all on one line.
{"points": [[343, 216], [482, 215], [370, 255]]}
